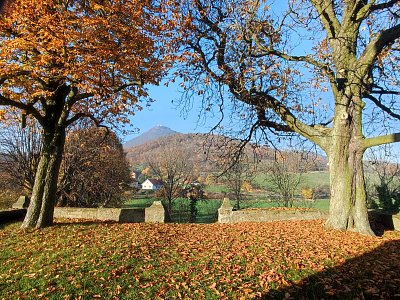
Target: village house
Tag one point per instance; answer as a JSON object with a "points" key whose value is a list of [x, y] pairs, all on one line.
{"points": [[152, 184]]}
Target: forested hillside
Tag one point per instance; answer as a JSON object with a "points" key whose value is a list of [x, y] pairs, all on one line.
{"points": [[206, 150]]}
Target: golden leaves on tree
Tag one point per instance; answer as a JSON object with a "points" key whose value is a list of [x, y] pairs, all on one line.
{"points": [[103, 49]]}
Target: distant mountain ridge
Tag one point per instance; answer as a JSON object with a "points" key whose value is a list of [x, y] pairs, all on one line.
{"points": [[154, 133]]}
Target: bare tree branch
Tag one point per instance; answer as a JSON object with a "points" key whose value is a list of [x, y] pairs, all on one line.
{"points": [[381, 140], [83, 115], [385, 92], [386, 109], [383, 39], [384, 5], [305, 58], [28, 108]]}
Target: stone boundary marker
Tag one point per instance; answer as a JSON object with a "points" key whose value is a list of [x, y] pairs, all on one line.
{"points": [[396, 222], [22, 202], [155, 213]]}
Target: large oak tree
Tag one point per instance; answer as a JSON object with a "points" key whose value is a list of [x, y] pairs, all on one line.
{"points": [[64, 60], [326, 70]]}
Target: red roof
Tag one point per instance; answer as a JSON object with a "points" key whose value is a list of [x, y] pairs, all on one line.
{"points": [[156, 181]]}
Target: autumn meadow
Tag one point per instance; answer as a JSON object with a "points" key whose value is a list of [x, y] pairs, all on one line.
{"points": [[278, 260]]}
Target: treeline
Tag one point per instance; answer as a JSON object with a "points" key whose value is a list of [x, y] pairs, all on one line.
{"points": [[94, 171]]}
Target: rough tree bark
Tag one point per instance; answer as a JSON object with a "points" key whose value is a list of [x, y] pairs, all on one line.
{"points": [[348, 210], [41, 209]]}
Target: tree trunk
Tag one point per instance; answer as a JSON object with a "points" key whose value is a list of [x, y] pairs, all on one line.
{"points": [[348, 203], [41, 209]]}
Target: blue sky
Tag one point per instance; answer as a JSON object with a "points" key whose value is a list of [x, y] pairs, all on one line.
{"points": [[164, 111]]}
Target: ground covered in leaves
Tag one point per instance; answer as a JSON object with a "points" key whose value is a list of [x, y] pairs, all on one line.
{"points": [[214, 261]]}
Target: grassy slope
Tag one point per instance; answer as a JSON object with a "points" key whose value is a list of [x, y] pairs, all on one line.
{"points": [[311, 179], [315, 179], [186, 261]]}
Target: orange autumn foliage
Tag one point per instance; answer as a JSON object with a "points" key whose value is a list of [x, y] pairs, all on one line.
{"points": [[104, 51]]}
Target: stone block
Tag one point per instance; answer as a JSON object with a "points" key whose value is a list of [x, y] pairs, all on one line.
{"points": [[225, 212], [131, 215], [396, 222], [22, 202], [155, 213], [226, 204]]}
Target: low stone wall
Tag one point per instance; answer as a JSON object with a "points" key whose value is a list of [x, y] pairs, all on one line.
{"points": [[264, 215], [226, 214], [101, 214], [153, 214], [388, 221], [11, 215]]}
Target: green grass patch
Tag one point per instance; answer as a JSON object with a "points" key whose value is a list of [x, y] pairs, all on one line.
{"points": [[216, 188], [315, 179], [139, 202], [310, 179], [318, 204], [322, 204], [207, 209]]}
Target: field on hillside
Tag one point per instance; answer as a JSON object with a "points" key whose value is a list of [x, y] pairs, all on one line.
{"points": [[192, 261], [311, 179]]}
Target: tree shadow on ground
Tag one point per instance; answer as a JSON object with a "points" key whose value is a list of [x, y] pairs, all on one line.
{"points": [[8, 217], [374, 275]]}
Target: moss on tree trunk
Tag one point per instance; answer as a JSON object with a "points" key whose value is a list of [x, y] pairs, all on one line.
{"points": [[41, 209], [348, 203], [348, 208]]}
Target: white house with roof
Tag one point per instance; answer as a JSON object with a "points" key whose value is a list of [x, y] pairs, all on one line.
{"points": [[152, 184]]}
